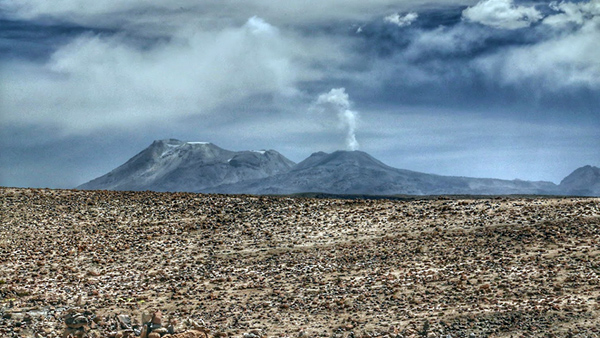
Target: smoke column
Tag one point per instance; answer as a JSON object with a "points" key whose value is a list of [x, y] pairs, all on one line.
{"points": [[338, 102]]}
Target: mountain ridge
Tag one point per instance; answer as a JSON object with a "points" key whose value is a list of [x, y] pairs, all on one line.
{"points": [[356, 172], [174, 165]]}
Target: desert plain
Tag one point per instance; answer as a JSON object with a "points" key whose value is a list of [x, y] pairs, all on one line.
{"points": [[256, 266]]}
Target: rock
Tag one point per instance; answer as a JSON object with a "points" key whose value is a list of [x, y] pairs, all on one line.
{"points": [[157, 318], [189, 334], [146, 317], [94, 272], [144, 333], [76, 320], [94, 334], [154, 335], [161, 331], [77, 333], [124, 321]]}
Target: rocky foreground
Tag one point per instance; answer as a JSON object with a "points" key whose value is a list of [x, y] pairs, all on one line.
{"points": [[128, 264]]}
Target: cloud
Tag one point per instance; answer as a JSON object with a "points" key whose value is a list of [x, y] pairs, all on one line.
{"points": [[202, 70], [337, 102], [401, 21], [572, 13], [503, 14], [465, 62], [99, 81], [568, 59], [210, 12]]}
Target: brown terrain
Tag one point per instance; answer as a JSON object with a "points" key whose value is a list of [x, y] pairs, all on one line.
{"points": [[125, 264]]}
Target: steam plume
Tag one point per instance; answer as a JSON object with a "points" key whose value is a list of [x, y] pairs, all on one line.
{"points": [[338, 102]]}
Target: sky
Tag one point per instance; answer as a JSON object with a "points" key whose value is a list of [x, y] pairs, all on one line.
{"points": [[494, 88]]}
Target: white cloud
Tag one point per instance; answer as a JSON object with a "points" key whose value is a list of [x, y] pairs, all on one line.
{"points": [[572, 13], [503, 14], [172, 13], [446, 40], [401, 21], [99, 81], [570, 58]]}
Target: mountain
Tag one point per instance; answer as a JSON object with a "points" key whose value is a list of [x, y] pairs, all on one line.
{"points": [[173, 165], [356, 172], [584, 181]]}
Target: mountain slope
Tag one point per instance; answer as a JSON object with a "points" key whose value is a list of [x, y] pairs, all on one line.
{"points": [[584, 181], [356, 172], [173, 165]]}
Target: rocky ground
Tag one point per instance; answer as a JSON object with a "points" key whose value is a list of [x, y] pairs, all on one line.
{"points": [[118, 264]]}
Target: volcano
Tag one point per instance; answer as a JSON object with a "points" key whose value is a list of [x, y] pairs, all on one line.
{"points": [[174, 165], [356, 172]]}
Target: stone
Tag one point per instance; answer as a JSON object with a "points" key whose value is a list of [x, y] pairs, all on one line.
{"points": [[124, 321], [157, 318], [94, 334], [76, 320], [190, 334], [161, 331], [144, 333], [146, 317], [154, 335], [77, 333], [94, 272]]}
